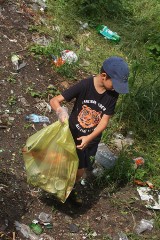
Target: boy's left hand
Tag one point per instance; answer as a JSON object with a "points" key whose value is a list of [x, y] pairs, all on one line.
{"points": [[85, 141]]}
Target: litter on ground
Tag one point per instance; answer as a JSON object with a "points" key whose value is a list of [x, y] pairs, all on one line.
{"points": [[152, 197]]}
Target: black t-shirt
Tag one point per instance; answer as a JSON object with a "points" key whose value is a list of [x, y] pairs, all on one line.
{"points": [[89, 106]]}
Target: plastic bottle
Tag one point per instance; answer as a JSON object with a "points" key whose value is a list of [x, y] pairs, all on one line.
{"points": [[37, 118], [36, 228], [129, 138], [107, 33], [104, 157]]}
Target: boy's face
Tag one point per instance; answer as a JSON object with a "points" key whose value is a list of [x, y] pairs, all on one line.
{"points": [[107, 82]]}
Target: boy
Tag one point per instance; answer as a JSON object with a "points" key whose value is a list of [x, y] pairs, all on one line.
{"points": [[95, 100]]}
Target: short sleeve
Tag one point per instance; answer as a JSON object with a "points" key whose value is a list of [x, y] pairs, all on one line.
{"points": [[73, 92], [111, 104]]}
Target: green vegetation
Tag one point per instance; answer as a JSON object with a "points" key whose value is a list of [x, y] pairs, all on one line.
{"points": [[137, 23], [12, 100], [51, 90], [11, 79]]}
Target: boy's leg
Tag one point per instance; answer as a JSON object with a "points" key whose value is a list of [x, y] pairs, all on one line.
{"points": [[80, 174], [74, 196]]}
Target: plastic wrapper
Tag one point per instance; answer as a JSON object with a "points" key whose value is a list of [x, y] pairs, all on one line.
{"points": [[26, 231], [44, 217], [69, 56], [51, 160], [144, 225]]}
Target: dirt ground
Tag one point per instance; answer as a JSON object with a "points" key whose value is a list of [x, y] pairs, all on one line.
{"points": [[103, 213]]}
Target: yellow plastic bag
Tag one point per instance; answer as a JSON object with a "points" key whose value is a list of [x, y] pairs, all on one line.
{"points": [[51, 160]]}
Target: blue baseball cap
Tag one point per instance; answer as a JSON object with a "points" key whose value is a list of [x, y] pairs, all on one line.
{"points": [[118, 71]]}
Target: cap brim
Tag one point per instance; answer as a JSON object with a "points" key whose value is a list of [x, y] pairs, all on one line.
{"points": [[120, 87]]}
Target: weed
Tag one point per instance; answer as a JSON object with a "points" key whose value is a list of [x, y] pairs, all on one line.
{"points": [[12, 100], [120, 174], [113, 8], [90, 232], [157, 221], [133, 236], [54, 210], [107, 237], [33, 28], [52, 90], [11, 79], [34, 93], [27, 125], [155, 50], [40, 50], [68, 70], [29, 89]]}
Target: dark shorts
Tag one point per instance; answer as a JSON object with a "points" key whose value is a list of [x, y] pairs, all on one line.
{"points": [[86, 156]]}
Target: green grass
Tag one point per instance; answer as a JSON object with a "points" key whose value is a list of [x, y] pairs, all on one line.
{"points": [[137, 22]]}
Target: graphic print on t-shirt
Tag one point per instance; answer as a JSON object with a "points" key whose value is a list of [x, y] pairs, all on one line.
{"points": [[88, 118]]}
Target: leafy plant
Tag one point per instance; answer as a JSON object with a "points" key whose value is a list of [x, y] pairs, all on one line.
{"points": [[52, 90], [27, 125], [141, 174], [157, 220], [33, 28], [120, 174], [89, 232], [107, 238], [12, 100], [40, 50], [11, 79], [155, 51], [34, 93], [68, 70], [112, 8]]}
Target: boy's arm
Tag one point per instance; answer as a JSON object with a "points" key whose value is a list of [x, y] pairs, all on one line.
{"points": [[61, 112], [55, 102], [99, 129]]}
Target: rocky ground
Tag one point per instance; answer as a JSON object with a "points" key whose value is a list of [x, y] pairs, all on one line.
{"points": [[104, 214]]}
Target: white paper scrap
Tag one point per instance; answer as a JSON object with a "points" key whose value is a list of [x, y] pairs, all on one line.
{"points": [[151, 196]]}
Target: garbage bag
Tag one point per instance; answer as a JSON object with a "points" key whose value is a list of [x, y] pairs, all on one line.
{"points": [[51, 161]]}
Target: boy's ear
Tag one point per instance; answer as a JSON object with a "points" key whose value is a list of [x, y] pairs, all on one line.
{"points": [[103, 74]]}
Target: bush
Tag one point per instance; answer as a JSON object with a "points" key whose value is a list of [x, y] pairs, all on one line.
{"points": [[120, 174], [96, 9]]}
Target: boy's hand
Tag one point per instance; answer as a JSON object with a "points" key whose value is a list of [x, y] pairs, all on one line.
{"points": [[85, 141], [62, 114]]}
